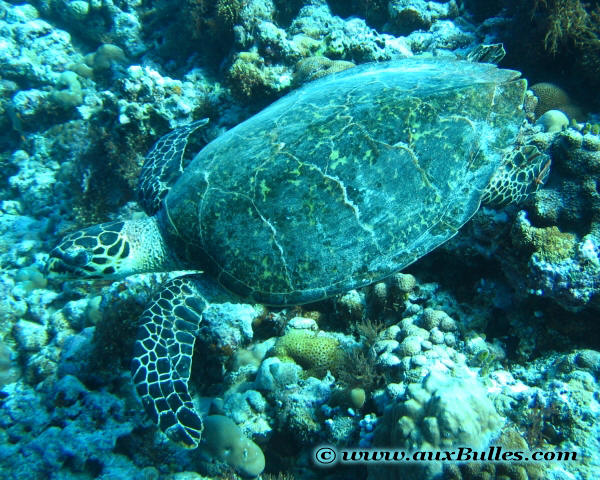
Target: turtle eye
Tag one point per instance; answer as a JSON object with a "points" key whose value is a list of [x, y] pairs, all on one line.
{"points": [[55, 266], [82, 258]]}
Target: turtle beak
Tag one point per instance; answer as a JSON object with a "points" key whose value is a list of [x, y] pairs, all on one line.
{"points": [[67, 262]]}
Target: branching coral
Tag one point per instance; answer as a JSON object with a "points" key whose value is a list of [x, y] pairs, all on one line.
{"points": [[557, 40], [570, 21]]}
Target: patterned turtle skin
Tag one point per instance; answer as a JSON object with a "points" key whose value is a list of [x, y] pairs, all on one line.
{"points": [[335, 186], [345, 181]]}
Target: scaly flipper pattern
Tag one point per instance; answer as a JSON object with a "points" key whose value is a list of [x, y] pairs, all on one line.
{"points": [[164, 165], [163, 358], [524, 171]]}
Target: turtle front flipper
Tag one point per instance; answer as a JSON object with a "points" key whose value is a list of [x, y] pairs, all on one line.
{"points": [[523, 172], [163, 355], [164, 165]]}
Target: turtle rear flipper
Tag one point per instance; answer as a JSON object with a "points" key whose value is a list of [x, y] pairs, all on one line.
{"points": [[164, 165], [163, 357]]}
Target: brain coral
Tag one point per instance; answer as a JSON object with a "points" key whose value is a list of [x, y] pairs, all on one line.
{"points": [[550, 97]]}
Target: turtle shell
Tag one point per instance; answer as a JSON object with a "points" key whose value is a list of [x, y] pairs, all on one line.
{"points": [[346, 180]]}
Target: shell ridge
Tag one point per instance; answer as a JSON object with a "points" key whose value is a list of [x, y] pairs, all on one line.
{"points": [[348, 202], [201, 207], [274, 236]]}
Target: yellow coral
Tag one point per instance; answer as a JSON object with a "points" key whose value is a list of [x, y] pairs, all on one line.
{"points": [[548, 243], [553, 245], [228, 12], [246, 76], [309, 350]]}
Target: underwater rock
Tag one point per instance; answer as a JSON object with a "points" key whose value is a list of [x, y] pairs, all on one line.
{"points": [[35, 180], [11, 308], [30, 336], [349, 39], [588, 360], [367, 426], [563, 259], [69, 93], [275, 44], [299, 408], [560, 408], [570, 281], [246, 362], [509, 440], [33, 52], [274, 374], [66, 428], [248, 409], [105, 56], [9, 371], [406, 16], [251, 78], [423, 343], [98, 21], [229, 325], [438, 412], [351, 305], [145, 93], [553, 121]]}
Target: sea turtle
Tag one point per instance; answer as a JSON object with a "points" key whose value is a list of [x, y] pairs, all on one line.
{"points": [[335, 186]]}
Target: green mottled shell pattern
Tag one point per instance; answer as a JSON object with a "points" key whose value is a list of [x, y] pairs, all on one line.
{"points": [[346, 180]]}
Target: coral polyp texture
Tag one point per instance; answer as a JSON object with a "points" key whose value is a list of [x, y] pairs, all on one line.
{"points": [[318, 222], [439, 412]]}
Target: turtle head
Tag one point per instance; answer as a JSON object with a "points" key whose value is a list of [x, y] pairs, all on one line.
{"points": [[522, 173], [109, 250]]}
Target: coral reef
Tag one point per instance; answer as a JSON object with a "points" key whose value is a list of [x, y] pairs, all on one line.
{"points": [[509, 440], [250, 79], [316, 353], [57, 437], [223, 441], [409, 16], [99, 22], [436, 413], [550, 97], [498, 325], [553, 39], [553, 121], [563, 257]]}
